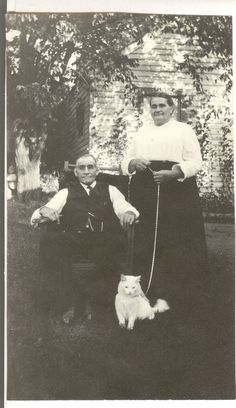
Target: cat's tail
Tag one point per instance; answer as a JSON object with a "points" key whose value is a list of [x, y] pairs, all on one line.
{"points": [[161, 306]]}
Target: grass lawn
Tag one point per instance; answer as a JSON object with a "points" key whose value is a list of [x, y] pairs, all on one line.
{"points": [[94, 360]]}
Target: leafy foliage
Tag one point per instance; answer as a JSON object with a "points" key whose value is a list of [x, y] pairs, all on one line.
{"points": [[33, 138], [218, 198], [47, 54]]}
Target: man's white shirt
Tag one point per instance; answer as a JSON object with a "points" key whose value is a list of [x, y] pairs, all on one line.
{"points": [[120, 205]]}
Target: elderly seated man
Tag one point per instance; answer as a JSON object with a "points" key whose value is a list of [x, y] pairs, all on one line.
{"points": [[85, 219]]}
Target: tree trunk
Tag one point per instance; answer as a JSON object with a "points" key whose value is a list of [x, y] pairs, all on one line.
{"points": [[28, 173]]}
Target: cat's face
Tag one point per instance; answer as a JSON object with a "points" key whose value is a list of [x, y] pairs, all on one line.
{"points": [[130, 285]]}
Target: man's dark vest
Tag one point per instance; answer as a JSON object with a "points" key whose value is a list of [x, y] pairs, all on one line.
{"points": [[96, 207]]}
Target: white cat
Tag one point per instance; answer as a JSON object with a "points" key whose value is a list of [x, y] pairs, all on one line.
{"points": [[131, 304]]}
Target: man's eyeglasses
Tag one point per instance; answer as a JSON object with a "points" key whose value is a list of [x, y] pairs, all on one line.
{"points": [[84, 166]]}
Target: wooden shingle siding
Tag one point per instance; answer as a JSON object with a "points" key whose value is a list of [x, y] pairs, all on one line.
{"points": [[73, 144], [157, 68], [105, 107]]}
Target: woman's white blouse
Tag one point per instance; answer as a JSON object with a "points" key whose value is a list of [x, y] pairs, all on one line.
{"points": [[173, 141]]}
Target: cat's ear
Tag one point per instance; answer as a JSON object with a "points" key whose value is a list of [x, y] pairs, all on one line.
{"points": [[138, 278], [122, 277]]}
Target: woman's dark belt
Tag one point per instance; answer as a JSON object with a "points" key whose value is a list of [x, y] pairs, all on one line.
{"points": [[157, 165]]}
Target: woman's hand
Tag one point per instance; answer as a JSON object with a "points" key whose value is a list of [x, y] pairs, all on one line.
{"points": [[138, 165], [163, 176]]}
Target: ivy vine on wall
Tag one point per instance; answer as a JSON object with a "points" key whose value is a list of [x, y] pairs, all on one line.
{"points": [[216, 197]]}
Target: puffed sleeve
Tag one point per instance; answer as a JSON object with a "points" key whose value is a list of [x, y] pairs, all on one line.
{"points": [[191, 162]]}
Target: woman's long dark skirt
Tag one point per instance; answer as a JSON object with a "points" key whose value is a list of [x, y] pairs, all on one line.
{"points": [[181, 267]]}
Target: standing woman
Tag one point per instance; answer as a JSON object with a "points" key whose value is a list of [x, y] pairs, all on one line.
{"points": [[167, 153]]}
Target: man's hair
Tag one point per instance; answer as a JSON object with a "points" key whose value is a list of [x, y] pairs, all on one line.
{"points": [[162, 95], [86, 155]]}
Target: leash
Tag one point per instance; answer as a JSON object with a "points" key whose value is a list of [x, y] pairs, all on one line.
{"points": [[131, 236], [155, 238]]}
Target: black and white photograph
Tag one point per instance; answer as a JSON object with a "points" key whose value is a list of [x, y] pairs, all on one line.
{"points": [[119, 192]]}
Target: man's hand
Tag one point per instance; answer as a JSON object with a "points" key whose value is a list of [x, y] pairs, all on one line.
{"points": [[49, 214], [127, 219], [138, 165]]}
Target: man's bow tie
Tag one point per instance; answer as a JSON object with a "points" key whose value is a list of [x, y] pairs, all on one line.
{"points": [[89, 188]]}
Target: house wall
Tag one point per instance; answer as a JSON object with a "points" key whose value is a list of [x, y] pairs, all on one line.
{"points": [[74, 143], [157, 68]]}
